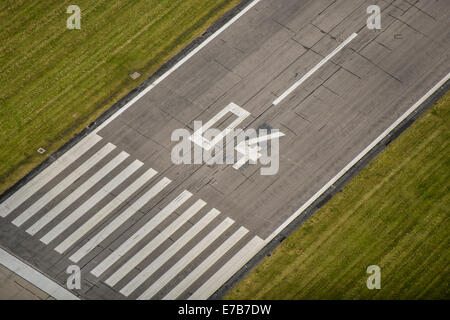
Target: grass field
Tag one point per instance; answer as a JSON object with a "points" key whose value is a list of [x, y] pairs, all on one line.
{"points": [[394, 214], [55, 81]]}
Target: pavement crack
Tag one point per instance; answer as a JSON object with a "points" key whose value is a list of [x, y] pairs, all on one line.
{"points": [[408, 25], [377, 66]]}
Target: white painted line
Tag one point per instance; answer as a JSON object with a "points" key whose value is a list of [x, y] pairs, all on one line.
{"points": [[47, 175], [241, 162], [71, 198], [36, 278], [177, 65], [177, 246], [154, 243], [105, 211], [60, 187], [206, 264], [313, 70], [91, 202], [180, 264], [267, 137], [198, 138], [118, 221], [357, 159], [228, 270], [141, 233]]}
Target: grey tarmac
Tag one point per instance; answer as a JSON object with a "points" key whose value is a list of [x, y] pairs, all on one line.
{"points": [[120, 226]]}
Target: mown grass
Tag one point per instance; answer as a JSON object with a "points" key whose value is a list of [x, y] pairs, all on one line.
{"points": [[55, 81], [394, 214]]}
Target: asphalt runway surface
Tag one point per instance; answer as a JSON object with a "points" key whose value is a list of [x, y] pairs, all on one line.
{"points": [[141, 227]]}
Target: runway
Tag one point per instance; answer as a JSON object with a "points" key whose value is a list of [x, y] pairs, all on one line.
{"points": [[141, 227]]}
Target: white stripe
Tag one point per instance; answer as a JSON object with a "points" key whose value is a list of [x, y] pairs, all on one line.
{"points": [[154, 243], [357, 158], [141, 233], [60, 187], [47, 175], [182, 263], [197, 136], [177, 245], [228, 270], [88, 184], [313, 70], [206, 264], [241, 162], [178, 64], [118, 221], [105, 211], [36, 278], [91, 202]]}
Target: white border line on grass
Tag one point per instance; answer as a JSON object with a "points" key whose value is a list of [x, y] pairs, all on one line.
{"points": [[36, 278]]}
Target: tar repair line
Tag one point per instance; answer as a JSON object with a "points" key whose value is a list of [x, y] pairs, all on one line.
{"points": [[35, 277]]}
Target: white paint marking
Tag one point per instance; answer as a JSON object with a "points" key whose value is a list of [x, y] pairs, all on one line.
{"points": [[154, 243], [228, 270], [118, 221], [357, 159], [91, 202], [47, 175], [71, 198], [206, 264], [180, 264], [251, 151], [176, 246], [313, 70], [60, 187], [140, 234], [197, 136], [105, 211], [36, 278]]}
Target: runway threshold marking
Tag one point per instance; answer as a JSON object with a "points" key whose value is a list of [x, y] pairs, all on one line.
{"points": [[313, 70], [151, 246], [164, 257], [228, 269], [120, 220], [91, 202], [76, 194], [105, 211], [205, 265], [24, 193], [63, 185], [180, 264], [141, 233]]}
